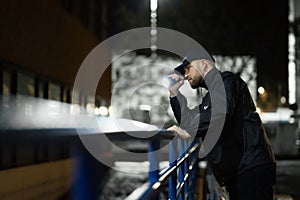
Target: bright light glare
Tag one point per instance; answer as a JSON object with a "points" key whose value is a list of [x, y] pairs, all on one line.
{"points": [[203, 164], [153, 32], [153, 5], [145, 107], [258, 110], [292, 82], [283, 100], [292, 65], [90, 108], [153, 47], [97, 112], [110, 111], [103, 111], [153, 15], [261, 90]]}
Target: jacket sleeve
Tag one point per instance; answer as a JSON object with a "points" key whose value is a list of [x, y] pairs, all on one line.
{"points": [[187, 118]]}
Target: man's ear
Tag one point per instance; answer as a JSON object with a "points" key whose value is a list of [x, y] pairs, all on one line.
{"points": [[203, 62], [204, 66]]}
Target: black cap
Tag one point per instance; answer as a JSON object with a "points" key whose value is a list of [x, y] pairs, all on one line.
{"points": [[190, 56]]}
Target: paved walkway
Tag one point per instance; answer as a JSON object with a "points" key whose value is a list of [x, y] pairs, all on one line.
{"points": [[288, 178]]}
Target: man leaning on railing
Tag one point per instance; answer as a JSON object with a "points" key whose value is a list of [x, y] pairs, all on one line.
{"points": [[240, 156]]}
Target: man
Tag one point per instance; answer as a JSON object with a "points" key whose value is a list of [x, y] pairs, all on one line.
{"points": [[240, 155]]}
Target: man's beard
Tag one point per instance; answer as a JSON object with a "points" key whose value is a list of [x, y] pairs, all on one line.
{"points": [[196, 82]]}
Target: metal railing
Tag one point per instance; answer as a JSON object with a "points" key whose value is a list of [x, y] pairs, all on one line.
{"points": [[180, 175]]}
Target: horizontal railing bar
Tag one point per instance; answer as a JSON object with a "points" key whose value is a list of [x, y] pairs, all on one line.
{"points": [[72, 133], [186, 177], [167, 174], [178, 189], [165, 170], [194, 148], [182, 159], [145, 191], [186, 155], [137, 193], [141, 135]]}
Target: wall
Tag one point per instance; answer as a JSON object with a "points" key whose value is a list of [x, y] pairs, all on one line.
{"points": [[47, 181], [43, 37]]}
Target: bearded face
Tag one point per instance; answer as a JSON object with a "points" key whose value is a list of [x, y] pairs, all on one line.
{"points": [[193, 76]]}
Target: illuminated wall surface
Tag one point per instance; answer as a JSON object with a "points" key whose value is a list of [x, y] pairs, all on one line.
{"points": [[137, 84]]}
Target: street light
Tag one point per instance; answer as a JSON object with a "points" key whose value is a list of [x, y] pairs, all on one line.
{"points": [[153, 5], [153, 32], [261, 90]]}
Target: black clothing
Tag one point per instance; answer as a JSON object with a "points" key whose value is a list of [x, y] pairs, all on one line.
{"points": [[242, 144], [253, 184]]}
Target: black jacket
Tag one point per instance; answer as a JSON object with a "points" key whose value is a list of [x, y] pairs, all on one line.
{"points": [[227, 108]]}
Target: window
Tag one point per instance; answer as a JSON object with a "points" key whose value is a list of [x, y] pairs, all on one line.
{"points": [[41, 90], [6, 85], [54, 91], [25, 84]]}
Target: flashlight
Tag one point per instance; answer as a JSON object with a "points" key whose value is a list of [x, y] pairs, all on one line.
{"points": [[168, 82], [172, 81]]}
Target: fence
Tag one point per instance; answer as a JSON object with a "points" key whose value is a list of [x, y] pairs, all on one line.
{"points": [[180, 175]]}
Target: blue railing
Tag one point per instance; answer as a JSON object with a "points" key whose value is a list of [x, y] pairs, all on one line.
{"points": [[180, 174]]}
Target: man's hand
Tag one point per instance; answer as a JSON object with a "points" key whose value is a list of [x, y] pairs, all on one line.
{"points": [[174, 89], [179, 131]]}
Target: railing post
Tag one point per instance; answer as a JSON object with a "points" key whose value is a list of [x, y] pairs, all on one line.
{"points": [[181, 167], [153, 158], [194, 160], [88, 174], [173, 163], [186, 167]]}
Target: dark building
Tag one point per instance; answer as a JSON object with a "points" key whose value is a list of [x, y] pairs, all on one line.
{"points": [[43, 44]]}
